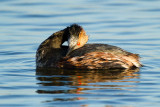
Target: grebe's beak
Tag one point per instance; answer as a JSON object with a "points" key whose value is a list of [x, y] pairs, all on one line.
{"points": [[70, 49]]}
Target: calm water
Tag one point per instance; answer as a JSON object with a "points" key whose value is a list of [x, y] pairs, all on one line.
{"points": [[131, 24]]}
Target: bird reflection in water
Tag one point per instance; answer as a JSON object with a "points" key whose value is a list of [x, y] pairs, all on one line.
{"points": [[60, 81]]}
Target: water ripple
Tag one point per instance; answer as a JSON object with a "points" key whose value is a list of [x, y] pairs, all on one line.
{"points": [[54, 15]]}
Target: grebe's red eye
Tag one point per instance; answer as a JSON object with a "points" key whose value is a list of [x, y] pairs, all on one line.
{"points": [[78, 44]]}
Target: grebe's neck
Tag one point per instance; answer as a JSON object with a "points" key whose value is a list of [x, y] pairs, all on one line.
{"points": [[56, 39]]}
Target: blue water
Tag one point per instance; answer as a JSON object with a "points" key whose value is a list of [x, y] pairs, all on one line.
{"points": [[133, 25]]}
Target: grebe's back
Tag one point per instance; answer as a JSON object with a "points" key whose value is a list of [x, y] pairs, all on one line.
{"points": [[100, 56]]}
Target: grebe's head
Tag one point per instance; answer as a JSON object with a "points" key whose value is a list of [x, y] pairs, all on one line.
{"points": [[77, 37]]}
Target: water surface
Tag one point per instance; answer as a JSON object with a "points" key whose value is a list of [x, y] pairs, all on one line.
{"points": [[130, 24]]}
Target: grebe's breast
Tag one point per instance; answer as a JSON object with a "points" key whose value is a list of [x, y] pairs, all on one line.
{"points": [[100, 56], [49, 57]]}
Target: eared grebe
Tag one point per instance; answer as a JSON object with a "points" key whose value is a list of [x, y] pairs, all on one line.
{"points": [[79, 55]]}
